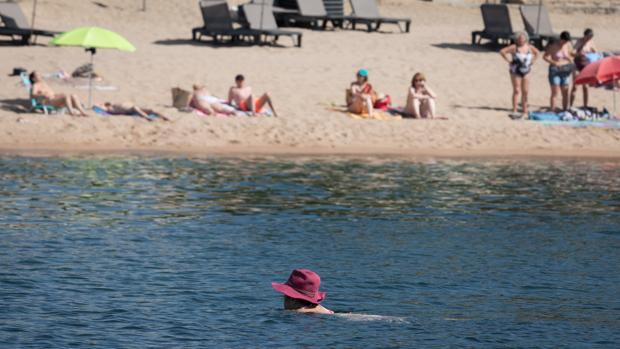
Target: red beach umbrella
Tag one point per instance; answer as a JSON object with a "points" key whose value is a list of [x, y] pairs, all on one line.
{"points": [[601, 72]]}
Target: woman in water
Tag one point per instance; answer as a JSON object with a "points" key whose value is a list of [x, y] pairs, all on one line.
{"points": [[301, 292], [520, 57], [559, 54], [45, 95], [361, 96], [583, 48], [420, 99]]}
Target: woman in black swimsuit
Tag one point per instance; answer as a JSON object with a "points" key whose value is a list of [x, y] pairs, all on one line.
{"points": [[520, 57]]}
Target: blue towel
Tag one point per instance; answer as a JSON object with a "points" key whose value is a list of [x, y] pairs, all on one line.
{"points": [[544, 116]]}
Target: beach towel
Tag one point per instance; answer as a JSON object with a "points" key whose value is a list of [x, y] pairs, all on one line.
{"points": [[401, 111], [377, 114]]}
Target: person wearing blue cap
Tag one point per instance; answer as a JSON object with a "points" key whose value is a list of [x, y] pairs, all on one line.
{"points": [[361, 96]]}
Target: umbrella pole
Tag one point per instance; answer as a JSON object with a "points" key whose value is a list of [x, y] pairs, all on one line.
{"points": [[90, 76], [538, 18], [34, 14]]}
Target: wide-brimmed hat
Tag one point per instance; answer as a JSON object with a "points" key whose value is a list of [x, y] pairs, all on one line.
{"points": [[302, 284]]}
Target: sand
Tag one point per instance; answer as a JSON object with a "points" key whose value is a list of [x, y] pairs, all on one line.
{"points": [[472, 83]]}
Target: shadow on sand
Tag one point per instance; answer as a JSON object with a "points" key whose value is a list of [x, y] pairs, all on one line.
{"points": [[488, 48], [15, 105], [213, 44], [484, 107]]}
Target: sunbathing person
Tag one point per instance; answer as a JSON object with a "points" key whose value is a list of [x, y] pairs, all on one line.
{"points": [[241, 96], [209, 104], [521, 56], [45, 95], [128, 108], [421, 99], [361, 96]]}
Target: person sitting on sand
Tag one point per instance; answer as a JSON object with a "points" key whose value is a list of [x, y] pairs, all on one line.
{"points": [[128, 108], [45, 95], [301, 292], [421, 99], [209, 104], [583, 48], [521, 56], [559, 54], [361, 96], [241, 96]]}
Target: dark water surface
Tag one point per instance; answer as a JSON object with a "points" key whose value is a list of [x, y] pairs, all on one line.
{"points": [[174, 253]]}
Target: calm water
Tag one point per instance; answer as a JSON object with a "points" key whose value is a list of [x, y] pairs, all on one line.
{"points": [[174, 253]]}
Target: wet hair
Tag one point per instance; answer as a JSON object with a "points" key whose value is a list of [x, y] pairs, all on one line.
{"points": [[417, 76], [588, 32], [239, 78], [565, 36], [31, 77], [518, 34], [294, 303]]}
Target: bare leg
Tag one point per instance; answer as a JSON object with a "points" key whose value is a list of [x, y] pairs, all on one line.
{"points": [[525, 89], [585, 96], [369, 105], [573, 91], [516, 90], [565, 97], [555, 91], [141, 113], [416, 108], [266, 99], [430, 104], [68, 101], [78, 105]]}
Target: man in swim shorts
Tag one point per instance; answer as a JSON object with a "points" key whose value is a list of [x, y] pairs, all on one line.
{"points": [[241, 96]]}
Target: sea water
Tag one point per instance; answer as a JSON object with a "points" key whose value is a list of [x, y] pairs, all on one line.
{"points": [[180, 253]]}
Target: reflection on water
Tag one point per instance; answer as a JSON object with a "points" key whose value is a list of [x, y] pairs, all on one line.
{"points": [[128, 252]]}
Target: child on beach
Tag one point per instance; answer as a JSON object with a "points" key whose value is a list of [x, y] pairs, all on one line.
{"points": [[361, 96], [559, 54], [420, 99], [301, 292], [521, 56], [45, 95], [241, 96]]}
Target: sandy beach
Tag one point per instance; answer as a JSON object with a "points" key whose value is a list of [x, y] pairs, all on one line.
{"points": [[306, 84]]}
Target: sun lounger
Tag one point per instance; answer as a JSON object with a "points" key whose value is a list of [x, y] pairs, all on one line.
{"points": [[497, 24], [34, 104], [219, 24], [537, 24], [261, 18], [314, 14], [367, 12], [14, 24]]}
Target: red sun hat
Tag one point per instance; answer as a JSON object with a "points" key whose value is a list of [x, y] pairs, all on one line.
{"points": [[302, 284]]}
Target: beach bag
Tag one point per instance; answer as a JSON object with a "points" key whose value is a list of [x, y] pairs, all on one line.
{"points": [[383, 103], [180, 98]]}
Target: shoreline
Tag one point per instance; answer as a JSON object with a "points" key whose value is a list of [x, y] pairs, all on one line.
{"points": [[314, 152]]}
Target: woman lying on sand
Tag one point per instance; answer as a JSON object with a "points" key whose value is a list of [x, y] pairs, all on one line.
{"points": [[241, 96], [521, 56], [361, 96], [559, 54], [128, 108], [209, 104], [301, 292], [421, 99], [46, 96]]}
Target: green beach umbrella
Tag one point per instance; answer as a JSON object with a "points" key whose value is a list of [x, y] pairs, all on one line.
{"points": [[92, 38]]}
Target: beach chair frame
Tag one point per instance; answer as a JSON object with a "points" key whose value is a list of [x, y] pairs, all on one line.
{"points": [[261, 18], [367, 12], [219, 25], [313, 14], [534, 17], [16, 25], [497, 25]]}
